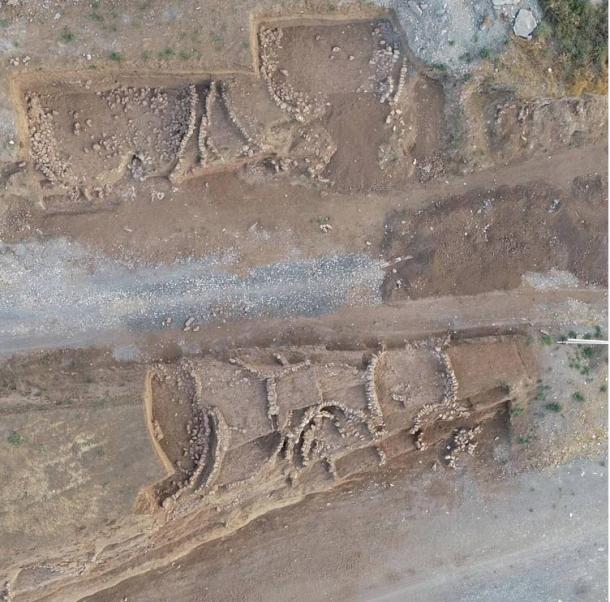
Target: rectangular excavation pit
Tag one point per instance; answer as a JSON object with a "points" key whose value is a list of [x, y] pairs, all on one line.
{"points": [[282, 431], [95, 139], [87, 138]]}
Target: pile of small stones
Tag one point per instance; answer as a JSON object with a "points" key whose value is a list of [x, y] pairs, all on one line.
{"points": [[384, 60], [447, 410], [463, 443], [297, 104], [206, 147], [175, 113], [43, 142]]}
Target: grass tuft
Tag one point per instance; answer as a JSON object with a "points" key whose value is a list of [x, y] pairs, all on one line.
{"points": [[15, 439], [67, 36], [167, 53]]}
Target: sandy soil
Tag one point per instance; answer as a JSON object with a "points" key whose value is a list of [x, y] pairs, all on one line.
{"points": [[410, 534], [282, 307]]}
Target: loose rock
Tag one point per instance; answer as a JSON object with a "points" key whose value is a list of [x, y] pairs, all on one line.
{"points": [[525, 24]]}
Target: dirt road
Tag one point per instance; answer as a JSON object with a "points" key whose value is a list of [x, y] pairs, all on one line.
{"points": [[405, 536], [489, 312]]}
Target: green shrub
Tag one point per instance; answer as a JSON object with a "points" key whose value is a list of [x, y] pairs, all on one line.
{"points": [[167, 53], [67, 36], [15, 439], [580, 30]]}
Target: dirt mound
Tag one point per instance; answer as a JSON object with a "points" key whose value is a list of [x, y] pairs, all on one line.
{"points": [[489, 239]]}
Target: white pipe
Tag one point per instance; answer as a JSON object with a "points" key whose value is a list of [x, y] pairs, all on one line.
{"points": [[583, 342]]}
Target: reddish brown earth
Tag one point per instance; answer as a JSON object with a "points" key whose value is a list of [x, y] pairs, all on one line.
{"points": [[481, 213]]}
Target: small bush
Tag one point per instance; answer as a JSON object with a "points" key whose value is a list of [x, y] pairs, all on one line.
{"points": [[577, 396], [15, 439], [166, 53], [541, 391], [67, 36], [117, 57], [553, 407], [544, 31]]}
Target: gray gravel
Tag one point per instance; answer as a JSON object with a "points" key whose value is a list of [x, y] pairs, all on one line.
{"points": [[553, 279], [541, 537], [60, 289], [453, 34]]}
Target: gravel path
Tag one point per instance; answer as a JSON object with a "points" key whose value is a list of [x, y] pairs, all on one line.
{"points": [[454, 34], [58, 288]]}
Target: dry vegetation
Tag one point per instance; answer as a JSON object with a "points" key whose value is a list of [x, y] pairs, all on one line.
{"points": [[578, 32]]}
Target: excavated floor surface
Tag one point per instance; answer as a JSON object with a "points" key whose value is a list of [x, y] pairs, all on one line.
{"points": [[281, 314]]}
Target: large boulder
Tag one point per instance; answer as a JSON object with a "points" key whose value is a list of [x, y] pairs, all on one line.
{"points": [[525, 23]]}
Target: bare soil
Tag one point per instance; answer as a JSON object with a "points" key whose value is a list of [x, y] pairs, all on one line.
{"points": [[488, 239], [284, 301]]}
